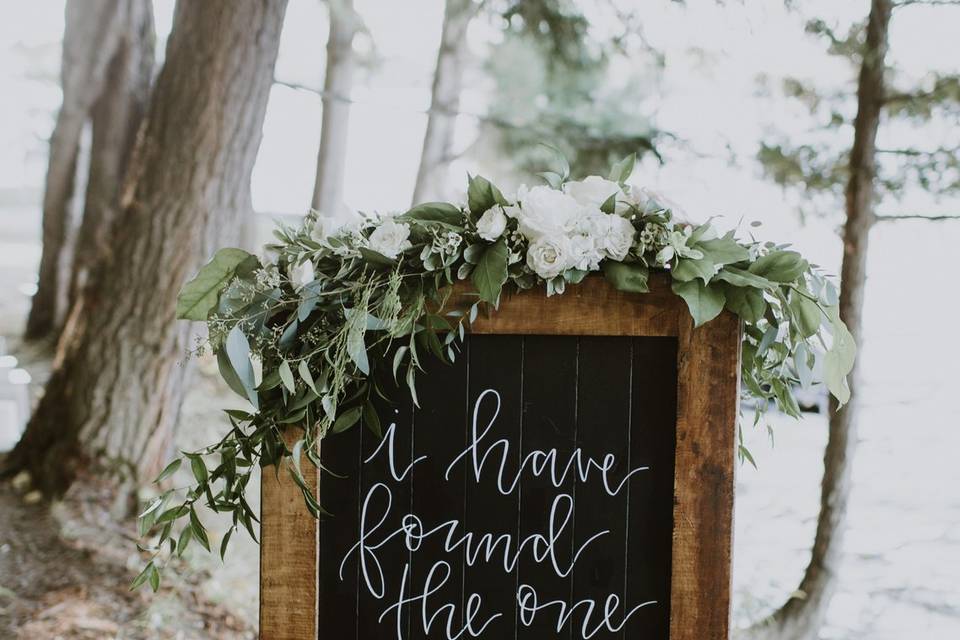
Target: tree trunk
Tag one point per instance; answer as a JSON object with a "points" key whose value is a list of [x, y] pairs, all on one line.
{"points": [[118, 380], [803, 614], [445, 100], [92, 32], [337, 84], [116, 117]]}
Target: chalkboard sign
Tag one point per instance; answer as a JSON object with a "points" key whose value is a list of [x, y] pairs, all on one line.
{"points": [[570, 476]]}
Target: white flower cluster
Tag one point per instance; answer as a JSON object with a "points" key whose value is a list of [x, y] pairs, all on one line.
{"points": [[566, 229]]}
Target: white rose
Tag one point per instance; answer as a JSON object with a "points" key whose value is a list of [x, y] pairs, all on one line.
{"points": [[390, 238], [548, 257], [300, 274], [545, 211], [492, 223], [593, 191], [615, 237]]}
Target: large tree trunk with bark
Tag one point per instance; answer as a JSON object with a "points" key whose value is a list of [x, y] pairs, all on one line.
{"points": [[445, 100], [116, 117], [113, 398], [337, 84], [803, 614], [93, 30]]}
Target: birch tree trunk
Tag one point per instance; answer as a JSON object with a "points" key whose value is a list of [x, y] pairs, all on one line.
{"points": [[118, 380], [116, 117], [802, 616], [445, 100], [337, 85], [93, 30]]}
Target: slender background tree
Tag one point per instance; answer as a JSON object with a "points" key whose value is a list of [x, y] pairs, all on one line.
{"points": [[118, 380], [337, 85], [824, 170], [444, 100], [96, 33]]}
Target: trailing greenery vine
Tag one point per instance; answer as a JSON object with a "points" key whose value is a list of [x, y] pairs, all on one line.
{"points": [[337, 318]]}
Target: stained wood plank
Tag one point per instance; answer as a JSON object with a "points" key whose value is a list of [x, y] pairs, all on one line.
{"points": [[603, 428], [393, 556], [339, 495], [439, 433], [549, 422], [709, 371], [496, 362], [649, 520], [288, 555], [593, 307]]}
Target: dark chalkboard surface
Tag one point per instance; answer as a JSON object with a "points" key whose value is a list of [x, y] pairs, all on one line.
{"points": [[530, 496]]}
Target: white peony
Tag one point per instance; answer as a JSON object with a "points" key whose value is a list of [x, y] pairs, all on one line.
{"points": [[615, 237], [593, 191], [546, 212], [549, 256], [301, 274], [390, 238], [492, 223], [585, 253]]}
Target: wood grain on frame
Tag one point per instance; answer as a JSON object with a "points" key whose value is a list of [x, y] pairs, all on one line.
{"points": [[289, 557], [708, 361]]}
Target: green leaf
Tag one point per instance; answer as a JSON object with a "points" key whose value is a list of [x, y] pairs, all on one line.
{"points": [[202, 294], [238, 354], [746, 302], [491, 271], [304, 370], [376, 258], [372, 420], [780, 266], [435, 212], [357, 349], [688, 269], [627, 276], [610, 204], [481, 195], [199, 469], [168, 471], [286, 376], [622, 169], [347, 419], [741, 278], [142, 577], [199, 532], [724, 250], [224, 543], [806, 314], [839, 359], [705, 302]]}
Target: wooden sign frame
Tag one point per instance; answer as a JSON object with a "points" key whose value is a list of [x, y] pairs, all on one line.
{"points": [[708, 364]]}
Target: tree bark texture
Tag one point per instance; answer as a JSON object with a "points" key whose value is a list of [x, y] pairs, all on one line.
{"points": [[116, 117], [118, 380], [93, 30], [445, 100], [337, 85], [803, 614]]}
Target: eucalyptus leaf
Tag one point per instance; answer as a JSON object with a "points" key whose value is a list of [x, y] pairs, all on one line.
{"points": [[627, 276], [435, 212], [286, 376], [200, 296], [780, 266], [705, 302], [622, 170]]}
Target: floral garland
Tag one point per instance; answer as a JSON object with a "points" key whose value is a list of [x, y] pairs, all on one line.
{"points": [[313, 335]]}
